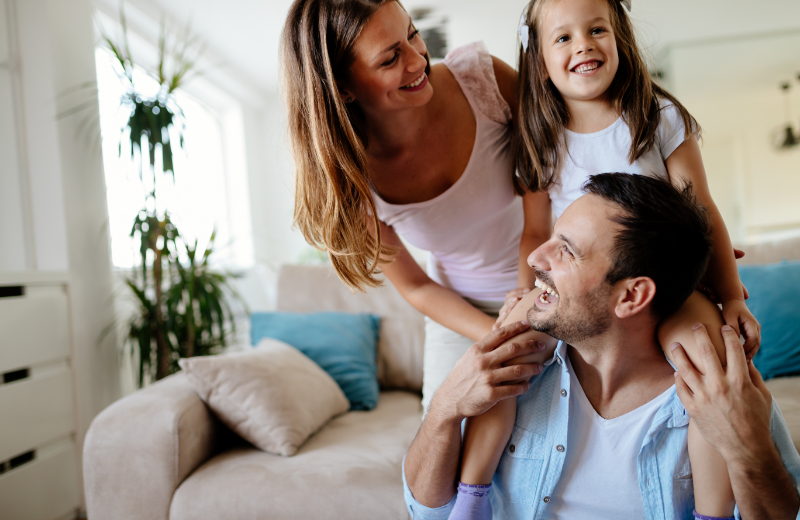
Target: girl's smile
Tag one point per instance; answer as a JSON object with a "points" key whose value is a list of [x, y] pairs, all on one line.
{"points": [[587, 68]]}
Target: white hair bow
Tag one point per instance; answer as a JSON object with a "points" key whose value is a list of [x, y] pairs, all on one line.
{"points": [[524, 30]]}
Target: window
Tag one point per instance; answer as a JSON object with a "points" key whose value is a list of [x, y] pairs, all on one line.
{"points": [[210, 187]]}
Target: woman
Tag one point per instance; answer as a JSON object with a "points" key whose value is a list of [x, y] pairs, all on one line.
{"points": [[387, 145]]}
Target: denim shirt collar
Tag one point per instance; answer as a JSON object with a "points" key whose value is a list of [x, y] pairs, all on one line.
{"points": [[672, 414], [559, 354]]}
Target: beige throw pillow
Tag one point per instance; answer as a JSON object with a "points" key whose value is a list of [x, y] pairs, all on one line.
{"points": [[272, 396]]}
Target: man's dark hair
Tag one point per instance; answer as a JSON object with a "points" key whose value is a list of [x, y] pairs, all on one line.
{"points": [[665, 235]]}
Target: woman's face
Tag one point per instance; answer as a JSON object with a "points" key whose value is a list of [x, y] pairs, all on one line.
{"points": [[388, 70], [579, 48]]}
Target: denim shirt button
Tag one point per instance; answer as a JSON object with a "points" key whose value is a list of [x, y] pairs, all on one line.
{"points": [[511, 448], [563, 393], [546, 500], [559, 448]]}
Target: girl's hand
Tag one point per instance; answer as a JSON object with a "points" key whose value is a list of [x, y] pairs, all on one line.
{"points": [[740, 319], [512, 297], [737, 254]]}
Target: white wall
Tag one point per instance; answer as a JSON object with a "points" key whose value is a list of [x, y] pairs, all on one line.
{"points": [[271, 185], [731, 86], [14, 255], [59, 162]]}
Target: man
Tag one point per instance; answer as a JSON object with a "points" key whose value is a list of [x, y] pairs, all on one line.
{"points": [[609, 368]]}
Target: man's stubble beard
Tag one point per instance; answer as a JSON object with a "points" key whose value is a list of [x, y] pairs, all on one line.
{"points": [[573, 324]]}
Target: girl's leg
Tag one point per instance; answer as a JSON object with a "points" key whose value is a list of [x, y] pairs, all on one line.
{"points": [[713, 495], [712, 487], [486, 436]]}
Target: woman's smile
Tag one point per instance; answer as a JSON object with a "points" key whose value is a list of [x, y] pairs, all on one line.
{"points": [[417, 84]]}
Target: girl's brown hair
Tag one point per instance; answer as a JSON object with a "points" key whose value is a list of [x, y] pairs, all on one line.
{"points": [[539, 142], [333, 205]]}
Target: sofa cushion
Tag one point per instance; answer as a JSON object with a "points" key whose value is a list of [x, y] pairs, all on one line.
{"points": [[351, 469], [304, 288], [773, 301], [771, 252], [342, 343], [273, 396]]}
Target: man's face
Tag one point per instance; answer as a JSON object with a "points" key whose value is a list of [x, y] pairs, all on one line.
{"points": [[571, 268]]}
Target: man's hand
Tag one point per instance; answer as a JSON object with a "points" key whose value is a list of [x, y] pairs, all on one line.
{"points": [[731, 408], [738, 316], [479, 380], [474, 385]]}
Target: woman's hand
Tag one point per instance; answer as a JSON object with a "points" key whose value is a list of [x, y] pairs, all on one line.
{"points": [[512, 297], [741, 320]]}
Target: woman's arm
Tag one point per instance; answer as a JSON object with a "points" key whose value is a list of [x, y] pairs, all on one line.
{"points": [[686, 165], [536, 231], [442, 305]]}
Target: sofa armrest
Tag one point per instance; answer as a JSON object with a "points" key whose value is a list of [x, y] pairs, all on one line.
{"points": [[139, 450]]}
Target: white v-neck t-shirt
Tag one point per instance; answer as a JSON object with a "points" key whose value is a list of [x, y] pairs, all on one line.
{"points": [[600, 478]]}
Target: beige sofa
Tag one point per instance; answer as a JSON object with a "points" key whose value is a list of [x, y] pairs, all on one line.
{"points": [[160, 454]]}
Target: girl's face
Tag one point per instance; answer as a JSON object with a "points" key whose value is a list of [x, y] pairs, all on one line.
{"points": [[388, 70], [579, 48]]}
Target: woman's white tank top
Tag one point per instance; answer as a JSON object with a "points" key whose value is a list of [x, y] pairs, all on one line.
{"points": [[473, 229]]}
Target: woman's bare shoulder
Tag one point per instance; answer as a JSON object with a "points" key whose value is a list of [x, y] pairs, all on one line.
{"points": [[507, 79], [442, 78]]}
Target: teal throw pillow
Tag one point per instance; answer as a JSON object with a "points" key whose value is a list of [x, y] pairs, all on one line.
{"points": [[341, 343], [774, 301]]}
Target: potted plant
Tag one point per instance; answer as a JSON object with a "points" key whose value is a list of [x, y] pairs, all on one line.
{"points": [[184, 308]]}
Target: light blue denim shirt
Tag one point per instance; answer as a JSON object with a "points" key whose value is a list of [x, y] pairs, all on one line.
{"points": [[531, 465]]}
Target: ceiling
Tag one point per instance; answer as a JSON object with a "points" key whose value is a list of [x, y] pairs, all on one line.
{"points": [[244, 34]]}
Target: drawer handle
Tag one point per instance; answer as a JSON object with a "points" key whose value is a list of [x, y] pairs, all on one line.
{"points": [[19, 460], [9, 291], [16, 375]]}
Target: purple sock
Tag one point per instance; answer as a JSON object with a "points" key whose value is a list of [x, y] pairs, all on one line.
{"points": [[704, 517], [472, 503]]}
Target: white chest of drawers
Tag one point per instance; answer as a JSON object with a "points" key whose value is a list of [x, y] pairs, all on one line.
{"points": [[38, 456]]}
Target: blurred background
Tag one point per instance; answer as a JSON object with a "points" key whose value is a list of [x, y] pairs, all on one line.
{"points": [[76, 179]]}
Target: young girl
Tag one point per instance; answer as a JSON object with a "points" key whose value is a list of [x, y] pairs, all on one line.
{"points": [[387, 145], [588, 105]]}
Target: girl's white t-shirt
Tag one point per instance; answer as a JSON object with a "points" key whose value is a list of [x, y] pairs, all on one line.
{"points": [[606, 151], [600, 477]]}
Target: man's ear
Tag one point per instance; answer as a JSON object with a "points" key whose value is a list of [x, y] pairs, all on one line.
{"points": [[635, 294]]}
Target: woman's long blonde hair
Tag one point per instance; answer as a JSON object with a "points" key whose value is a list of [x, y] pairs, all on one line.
{"points": [[333, 205], [539, 142]]}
